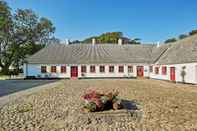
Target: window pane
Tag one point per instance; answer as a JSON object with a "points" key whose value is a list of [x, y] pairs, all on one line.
{"points": [[156, 70], [43, 69], [111, 69], [151, 68], [121, 69], [92, 69], [83, 69], [53, 69], [130, 69], [102, 69], [63, 69]]}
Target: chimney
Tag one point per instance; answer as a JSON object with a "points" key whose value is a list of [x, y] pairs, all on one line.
{"points": [[158, 44], [67, 41], [93, 41], [119, 41]]}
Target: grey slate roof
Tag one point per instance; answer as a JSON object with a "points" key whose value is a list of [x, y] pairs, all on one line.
{"points": [[183, 51], [92, 54], [157, 52]]}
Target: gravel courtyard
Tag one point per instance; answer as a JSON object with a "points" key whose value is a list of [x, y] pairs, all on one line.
{"points": [[162, 105]]}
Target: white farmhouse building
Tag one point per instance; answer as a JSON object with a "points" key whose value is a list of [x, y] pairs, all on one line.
{"points": [[174, 61]]}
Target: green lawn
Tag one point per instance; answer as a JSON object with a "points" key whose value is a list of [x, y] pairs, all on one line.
{"points": [[2, 77]]}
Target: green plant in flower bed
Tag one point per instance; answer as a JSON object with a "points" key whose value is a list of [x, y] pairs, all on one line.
{"points": [[91, 106], [95, 101]]}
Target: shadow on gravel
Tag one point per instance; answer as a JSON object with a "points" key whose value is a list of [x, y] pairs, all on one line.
{"points": [[130, 112], [129, 105]]}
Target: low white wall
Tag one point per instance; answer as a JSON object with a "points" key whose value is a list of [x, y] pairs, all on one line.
{"points": [[190, 77]]}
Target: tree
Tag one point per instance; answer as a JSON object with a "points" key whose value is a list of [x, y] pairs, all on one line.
{"points": [[182, 36], [75, 42], [193, 32], [110, 37], [6, 30], [49, 41], [89, 40], [170, 40], [135, 41], [21, 34], [32, 31]]}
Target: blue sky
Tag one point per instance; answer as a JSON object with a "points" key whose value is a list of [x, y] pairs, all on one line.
{"points": [[150, 20]]}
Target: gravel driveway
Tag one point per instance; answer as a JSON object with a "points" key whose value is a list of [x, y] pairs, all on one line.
{"points": [[165, 106], [11, 86]]}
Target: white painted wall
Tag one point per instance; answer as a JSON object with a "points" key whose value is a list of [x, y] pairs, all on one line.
{"points": [[190, 77], [107, 73], [35, 70], [146, 70], [191, 71]]}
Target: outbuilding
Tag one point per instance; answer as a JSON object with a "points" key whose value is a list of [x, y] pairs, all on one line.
{"points": [[174, 61]]}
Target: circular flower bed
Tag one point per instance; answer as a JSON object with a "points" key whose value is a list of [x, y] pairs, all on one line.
{"points": [[96, 101]]}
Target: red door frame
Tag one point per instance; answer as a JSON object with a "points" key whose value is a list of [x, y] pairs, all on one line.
{"points": [[172, 74], [140, 71], [74, 71]]}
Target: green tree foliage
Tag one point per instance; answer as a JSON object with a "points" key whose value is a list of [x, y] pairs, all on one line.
{"points": [[193, 32], [170, 40], [52, 40], [6, 30], [182, 36], [112, 38], [88, 40], [32, 30], [135, 41], [21, 34], [75, 42]]}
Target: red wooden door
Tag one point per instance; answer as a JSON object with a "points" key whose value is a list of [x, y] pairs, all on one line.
{"points": [[172, 74], [140, 71], [74, 71]]}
